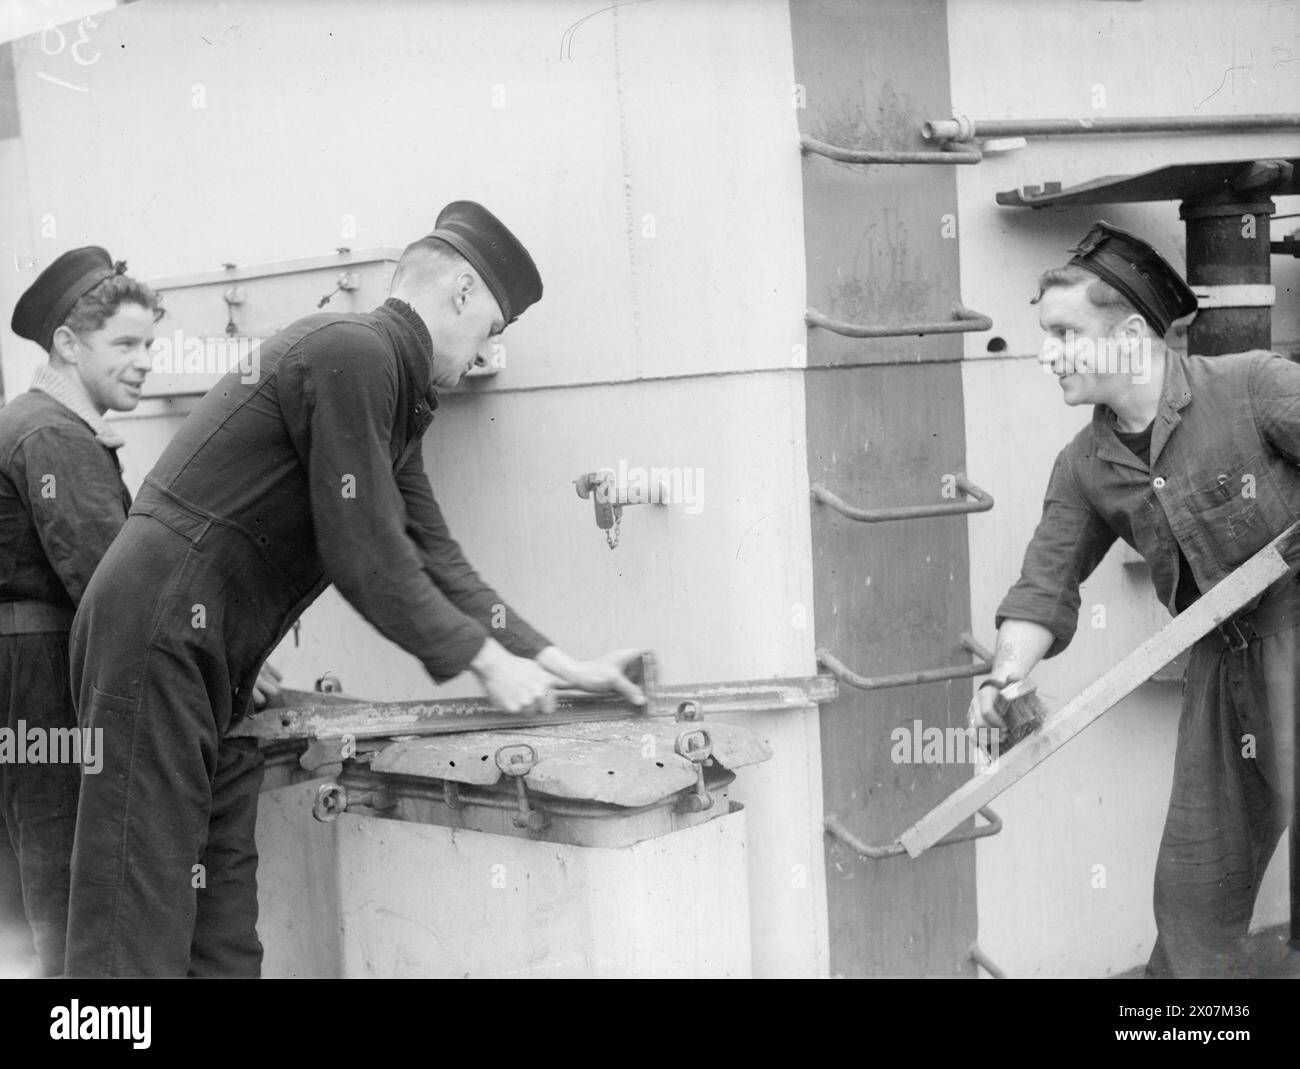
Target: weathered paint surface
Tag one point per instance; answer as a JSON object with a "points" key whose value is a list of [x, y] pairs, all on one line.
{"points": [[421, 900], [627, 763], [297, 886], [890, 597]]}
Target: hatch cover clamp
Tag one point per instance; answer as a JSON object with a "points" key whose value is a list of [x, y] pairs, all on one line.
{"points": [[516, 761], [334, 798], [697, 747]]}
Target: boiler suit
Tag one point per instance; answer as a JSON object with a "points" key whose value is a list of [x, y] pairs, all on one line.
{"points": [[271, 489], [62, 501], [1221, 482]]}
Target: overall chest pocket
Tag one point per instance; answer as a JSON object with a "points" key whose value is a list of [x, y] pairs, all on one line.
{"points": [[1231, 508]]}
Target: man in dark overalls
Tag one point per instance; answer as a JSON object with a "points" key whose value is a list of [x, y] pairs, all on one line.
{"points": [[1192, 461], [62, 501], [270, 490]]}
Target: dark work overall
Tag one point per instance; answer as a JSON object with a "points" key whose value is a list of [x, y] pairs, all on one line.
{"points": [[164, 869], [307, 473], [62, 501], [40, 800], [1234, 788], [1211, 481]]}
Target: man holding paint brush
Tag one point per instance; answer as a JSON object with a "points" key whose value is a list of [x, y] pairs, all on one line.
{"points": [[1195, 462]]}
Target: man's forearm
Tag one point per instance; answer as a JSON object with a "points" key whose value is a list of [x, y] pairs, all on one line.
{"points": [[556, 661], [1021, 645], [551, 658]]}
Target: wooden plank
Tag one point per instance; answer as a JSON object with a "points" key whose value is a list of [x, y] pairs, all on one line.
{"points": [[1227, 598]]}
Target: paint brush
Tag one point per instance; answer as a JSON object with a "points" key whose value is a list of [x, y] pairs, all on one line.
{"points": [[1021, 709]]}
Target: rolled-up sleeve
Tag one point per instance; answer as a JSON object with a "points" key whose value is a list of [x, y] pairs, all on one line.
{"points": [[452, 573], [74, 494], [1069, 543], [340, 405]]}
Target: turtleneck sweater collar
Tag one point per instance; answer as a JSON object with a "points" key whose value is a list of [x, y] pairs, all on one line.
{"points": [[49, 381]]}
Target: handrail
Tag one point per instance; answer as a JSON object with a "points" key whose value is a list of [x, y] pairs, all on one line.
{"points": [[969, 642], [836, 828], [963, 321], [967, 154], [983, 501], [840, 671]]}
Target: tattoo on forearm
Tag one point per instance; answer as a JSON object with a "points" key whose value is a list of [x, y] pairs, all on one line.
{"points": [[1005, 657]]}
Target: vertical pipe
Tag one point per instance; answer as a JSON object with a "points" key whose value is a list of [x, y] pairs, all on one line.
{"points": [[1227, 245]]}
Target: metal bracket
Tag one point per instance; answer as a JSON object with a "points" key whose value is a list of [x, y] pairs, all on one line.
{"points": [[1242, 296], [983, 501], [696, 746], [968, 153], [333, 799], [1203, 182], [347, 282], [896, 849], [604, 483], [963, 321], [234, 296], [840, 671], [609, 498], [516, 761], [689, 712], [985, 962]]}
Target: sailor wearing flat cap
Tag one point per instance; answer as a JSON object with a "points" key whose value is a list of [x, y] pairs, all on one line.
{"points": [[62, 501], [271, 490], [1192, 461]]}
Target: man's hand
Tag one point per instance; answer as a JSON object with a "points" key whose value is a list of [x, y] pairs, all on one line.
{"points": [[266, 687], [982, 713], [600, 675], [1021, 645], [513, 684]]}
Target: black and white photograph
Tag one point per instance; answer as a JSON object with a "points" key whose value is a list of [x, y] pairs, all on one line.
{"points": [[651, 490]]}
